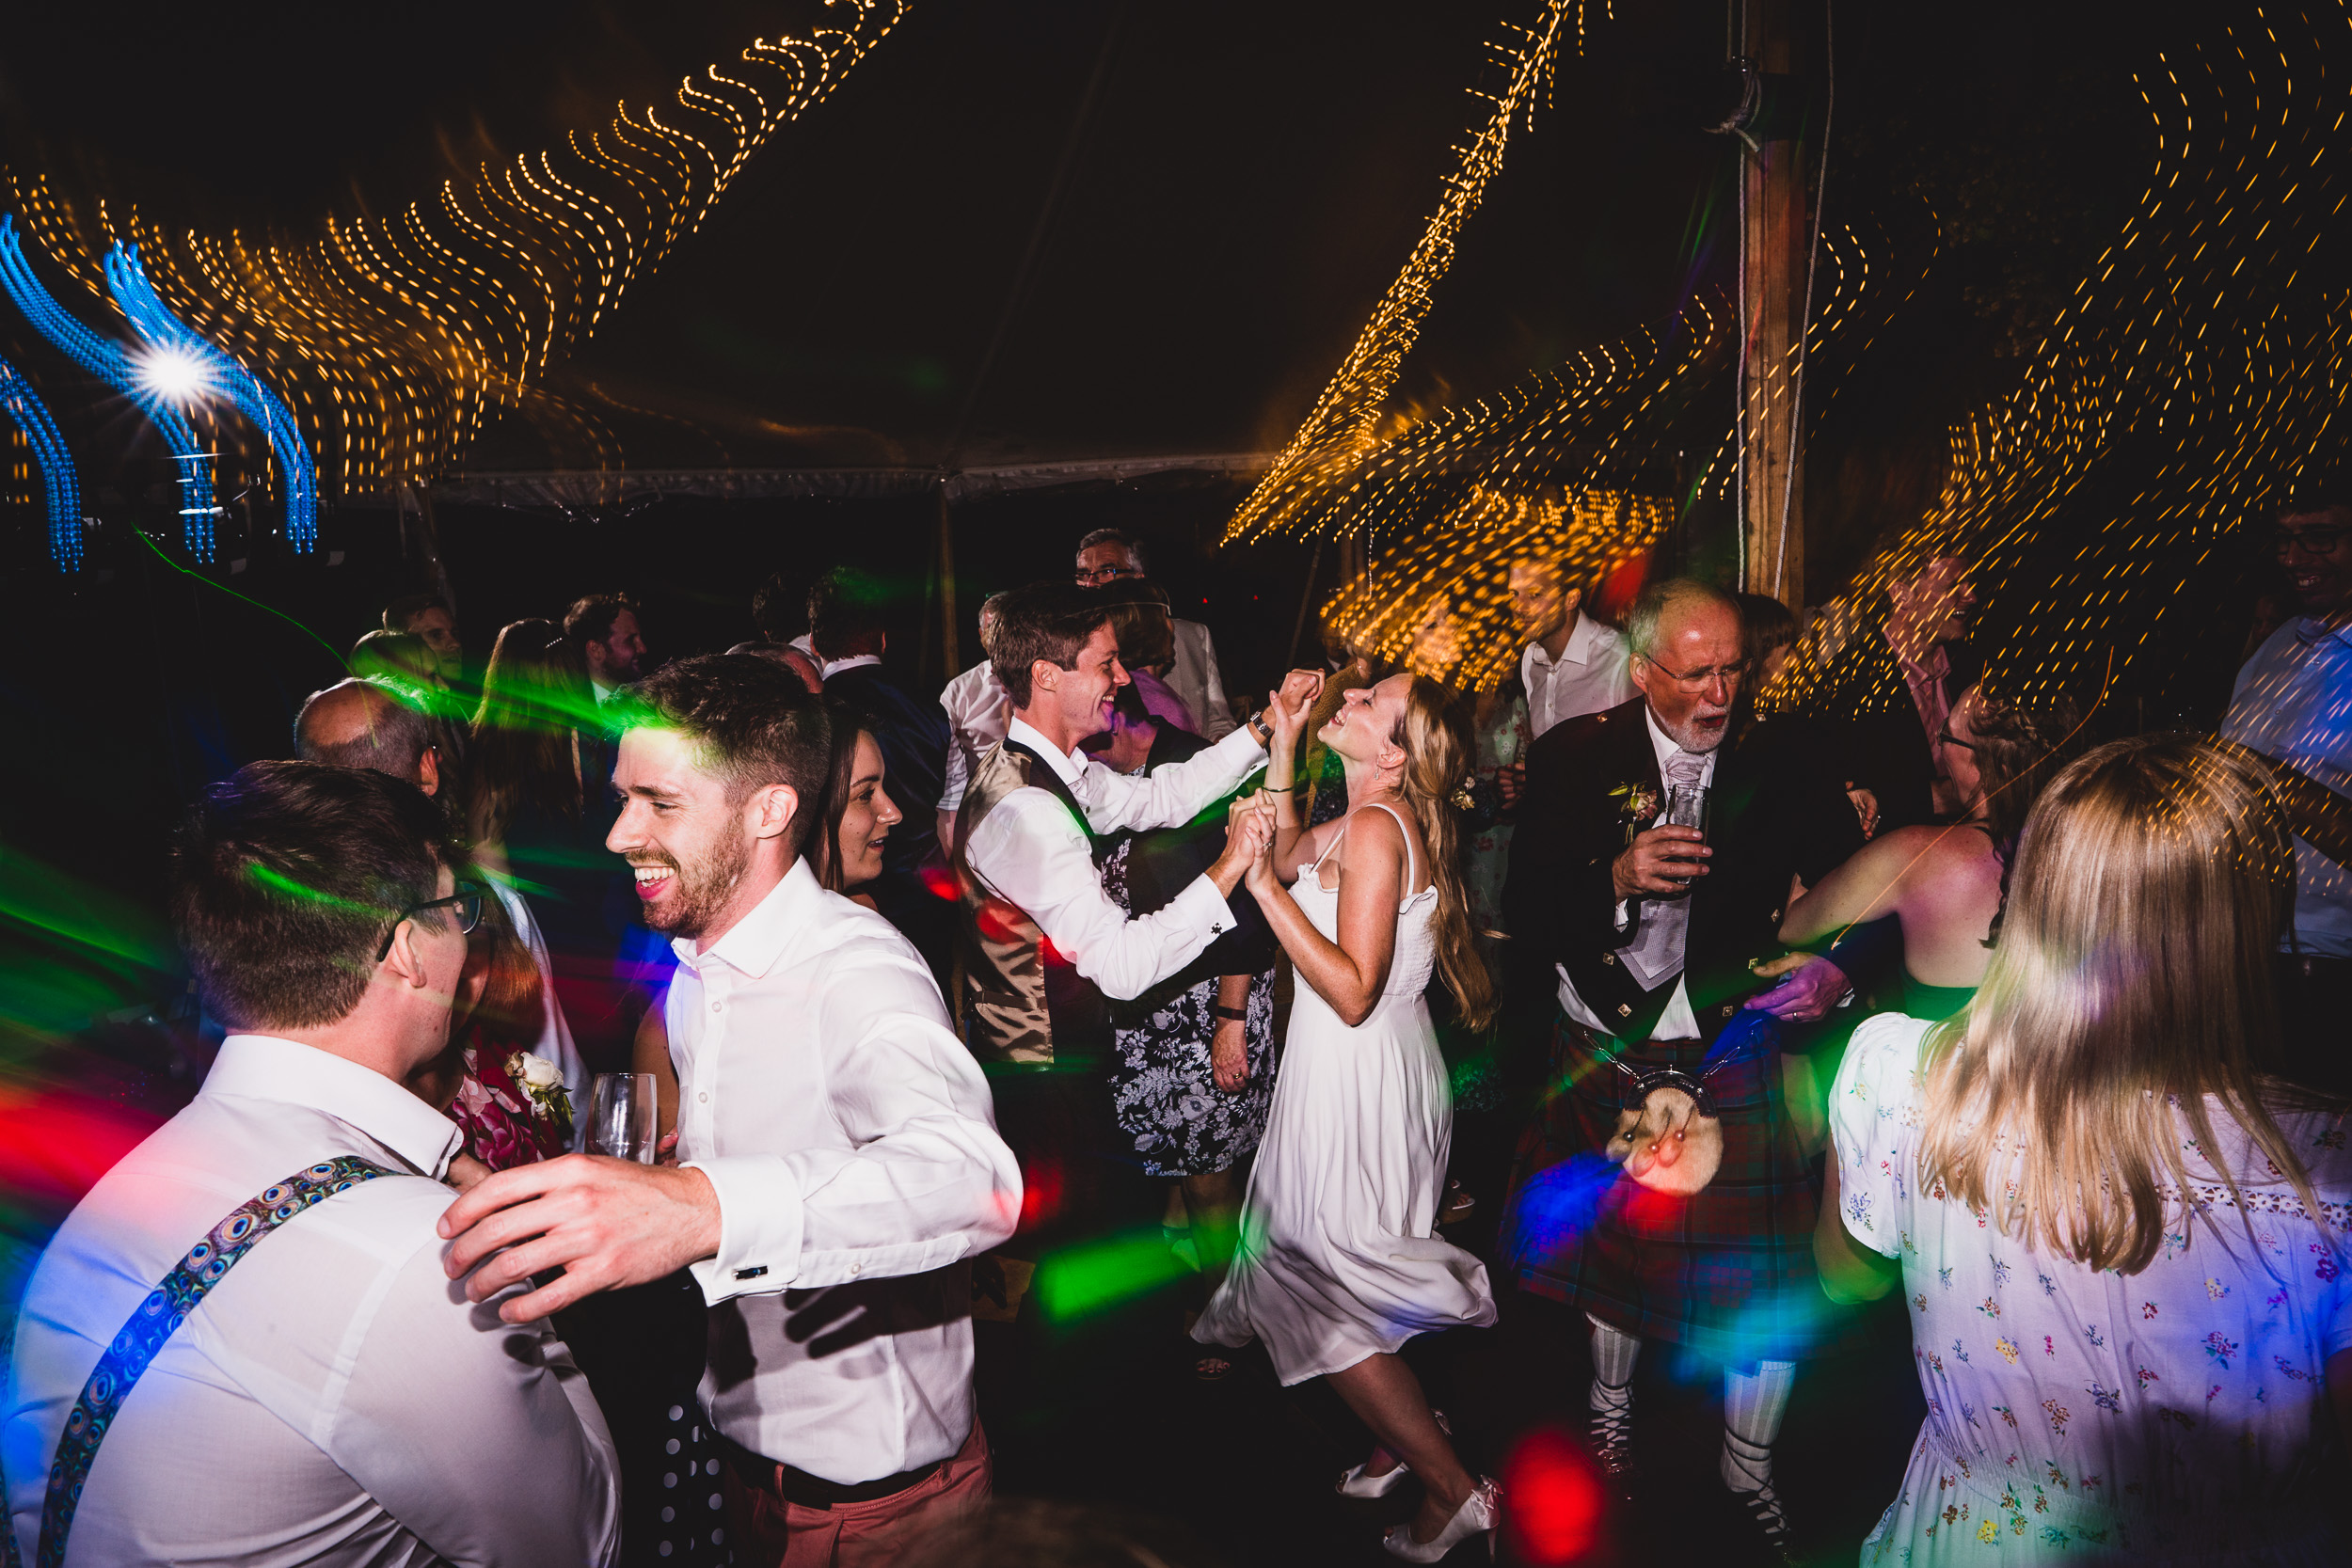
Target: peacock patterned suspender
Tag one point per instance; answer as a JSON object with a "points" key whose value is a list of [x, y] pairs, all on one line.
{"points": [[167, 1306]]}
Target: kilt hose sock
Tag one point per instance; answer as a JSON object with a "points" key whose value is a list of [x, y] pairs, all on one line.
{"points": [[1755, 1402]]}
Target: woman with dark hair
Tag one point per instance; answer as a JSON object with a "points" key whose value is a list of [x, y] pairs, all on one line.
{"points": [[857, 812], [1341, 1262], [1946, 883], [2119, 1234], [528, 814], [1145, 630]]}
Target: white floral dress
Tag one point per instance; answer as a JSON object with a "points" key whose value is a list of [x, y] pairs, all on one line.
{"points": [[2171, 1415]]}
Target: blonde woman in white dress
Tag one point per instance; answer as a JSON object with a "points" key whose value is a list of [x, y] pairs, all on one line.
{"points": [[1339, 1261]]}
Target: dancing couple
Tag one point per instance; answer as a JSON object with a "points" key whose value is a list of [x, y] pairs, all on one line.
{"points": [[1339, 1261]]}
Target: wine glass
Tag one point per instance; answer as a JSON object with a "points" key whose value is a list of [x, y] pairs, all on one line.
{"points": [[621, 1116]]}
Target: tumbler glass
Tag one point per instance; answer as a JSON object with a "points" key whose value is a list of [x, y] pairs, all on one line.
{"points": [[1686, 807], [621, 1116]]}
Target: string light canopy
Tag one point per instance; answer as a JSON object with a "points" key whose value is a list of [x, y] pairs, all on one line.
{"points": [[2191, 384], [396, 339]]}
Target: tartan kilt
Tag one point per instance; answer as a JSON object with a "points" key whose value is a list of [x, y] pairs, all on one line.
{"points": [[1727, 1272]]}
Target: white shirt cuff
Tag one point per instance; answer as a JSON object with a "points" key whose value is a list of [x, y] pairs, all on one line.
{"points": [[1203, 910], [759, 1226]]}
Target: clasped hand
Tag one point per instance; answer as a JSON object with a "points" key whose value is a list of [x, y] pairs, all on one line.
{"points": [[1249, 830], [1660, 862]]}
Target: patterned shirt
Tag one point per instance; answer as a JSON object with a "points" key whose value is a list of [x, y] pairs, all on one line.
{"points": [[2169, 1412]]}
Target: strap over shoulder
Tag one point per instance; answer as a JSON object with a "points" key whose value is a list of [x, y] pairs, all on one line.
{"points": [[158, 1316]]}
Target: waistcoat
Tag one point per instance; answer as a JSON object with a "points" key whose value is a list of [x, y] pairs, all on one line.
{"points": [[1022, 1002]]}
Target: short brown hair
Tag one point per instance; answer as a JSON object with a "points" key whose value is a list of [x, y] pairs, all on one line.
{"points": [[285, 881], [1049, 621], [753, 721]]}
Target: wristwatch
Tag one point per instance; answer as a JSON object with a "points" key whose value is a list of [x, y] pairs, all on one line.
{"points": [[1257, 725]]}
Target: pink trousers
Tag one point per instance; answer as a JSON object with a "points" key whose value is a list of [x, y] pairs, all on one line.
{"points": [[767, 1531]]}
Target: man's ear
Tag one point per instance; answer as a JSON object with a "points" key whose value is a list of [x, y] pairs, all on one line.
{"points": [[1045, 675], [771, 811], [429, 771], [401, 960], [1637, 670], [1573, 599]]}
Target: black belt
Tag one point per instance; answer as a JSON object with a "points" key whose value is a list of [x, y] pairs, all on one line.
{"points": [[762, 1473]]}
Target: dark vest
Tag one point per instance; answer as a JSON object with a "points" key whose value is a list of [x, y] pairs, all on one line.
{"points": [[1024, 1004]]}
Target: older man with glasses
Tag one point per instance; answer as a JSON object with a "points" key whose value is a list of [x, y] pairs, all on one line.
{"points": [[2293, 705], [1649, 877]]}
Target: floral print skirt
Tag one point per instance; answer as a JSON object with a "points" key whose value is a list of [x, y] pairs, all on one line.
{"points": [[1166, 1100]]}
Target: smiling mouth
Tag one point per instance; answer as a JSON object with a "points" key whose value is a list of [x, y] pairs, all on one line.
{"points": [[654, 881]]}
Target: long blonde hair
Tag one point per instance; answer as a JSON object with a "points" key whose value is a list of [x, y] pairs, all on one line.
{"points": [[2132, 981], [1438, 763]]}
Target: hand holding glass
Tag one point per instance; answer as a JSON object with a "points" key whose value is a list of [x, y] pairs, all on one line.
{"points": [[1686, 807]]}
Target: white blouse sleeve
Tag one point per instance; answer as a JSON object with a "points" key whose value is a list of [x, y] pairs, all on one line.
{"points": [[1873, 1118]]}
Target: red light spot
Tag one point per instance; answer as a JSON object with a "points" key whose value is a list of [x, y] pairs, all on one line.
{"points": [[1040, 1194], [56, 1145], [940, 882], [1552, 1498]]}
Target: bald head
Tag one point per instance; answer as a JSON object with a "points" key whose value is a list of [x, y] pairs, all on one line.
{"points": [[364, 722]]}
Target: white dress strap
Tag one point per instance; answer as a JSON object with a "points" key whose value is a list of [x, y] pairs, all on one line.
{"points": [[1408, 832]]}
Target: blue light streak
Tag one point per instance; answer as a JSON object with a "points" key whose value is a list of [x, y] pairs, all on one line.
{"points": [[225, 375], [111, 363], [58, 482]]}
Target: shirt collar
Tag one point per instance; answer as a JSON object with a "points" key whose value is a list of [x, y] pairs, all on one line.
{"points": [[760, 939], [1066, 766], [604, 692], [855, 661], [1935, 664], [1585, 641], [1584, 638], [262, 1066], [2311, 628]]}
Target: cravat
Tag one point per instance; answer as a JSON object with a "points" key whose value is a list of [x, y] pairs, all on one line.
{"points": [[1656, 952]]}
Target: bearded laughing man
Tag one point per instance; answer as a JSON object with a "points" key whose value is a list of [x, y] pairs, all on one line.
{"points": [[840, 1162]]}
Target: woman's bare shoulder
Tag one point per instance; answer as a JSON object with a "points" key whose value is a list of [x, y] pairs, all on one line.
{"points": [[1374, 838]]}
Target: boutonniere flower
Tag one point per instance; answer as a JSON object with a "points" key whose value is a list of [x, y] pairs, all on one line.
{"points": [[542, 1081], [1637, 803]]}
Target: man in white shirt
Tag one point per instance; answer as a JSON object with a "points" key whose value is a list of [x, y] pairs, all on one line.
{"points": [[1107, 556], [1036, 813], [840, 1163], [331, 1399], [603, 626], [1574, 664], [2292, 704], [979, 708], [1043, 941]]}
